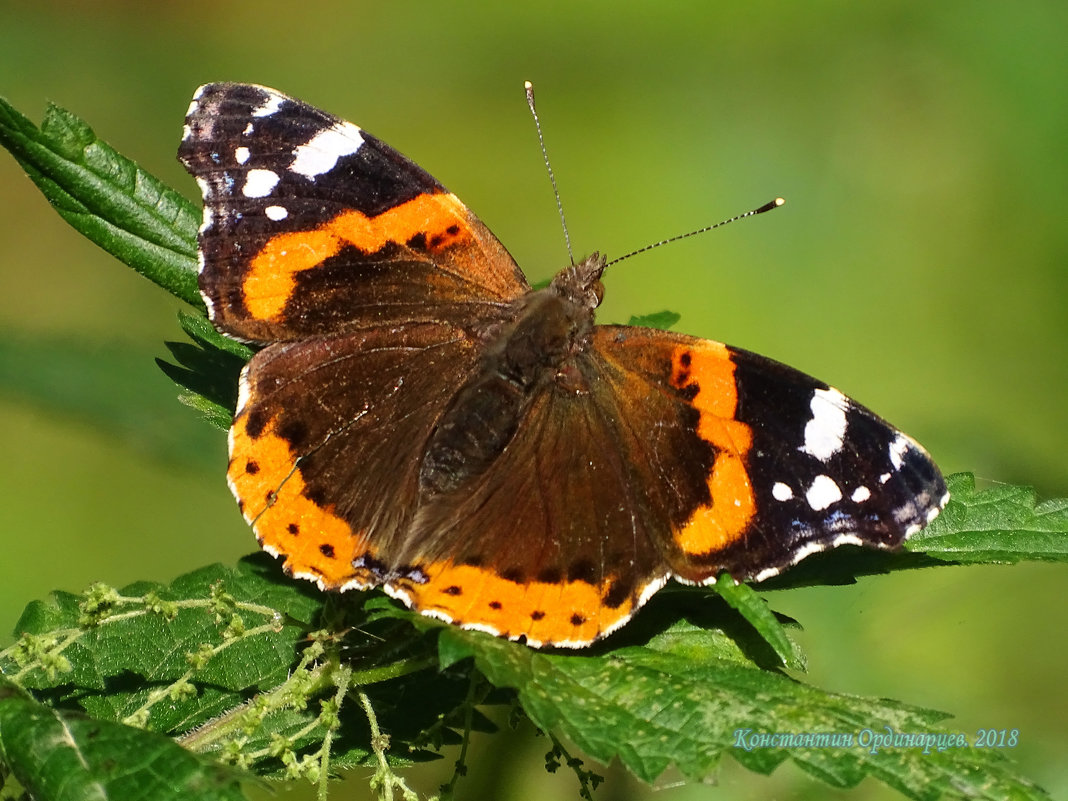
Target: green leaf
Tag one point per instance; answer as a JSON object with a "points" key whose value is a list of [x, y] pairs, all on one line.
{"points": [[108, 198], [231, 661], [662, 320], [1000, 524], [689, 697], [154, 647], [745, 600], [207, 370], [63, 756], [203, 332]]}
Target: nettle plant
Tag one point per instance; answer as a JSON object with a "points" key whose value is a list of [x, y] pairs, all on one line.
{"points": [[186, 690]]}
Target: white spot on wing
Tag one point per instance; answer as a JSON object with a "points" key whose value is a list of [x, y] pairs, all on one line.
{"points": [[244, 392], [825, 432], [355, 584], [781, 492], [307, 575], [650, 590], [241, 155], [823, 493], [483, 627], [766, 574], [403, 596], [267, 548], [248, 130], [906, 512], [898, 448], [847, 539], [860, 494], [276, 213], [320, 154], [808, 549], [573, 644], [259, 183], [269, 106]]}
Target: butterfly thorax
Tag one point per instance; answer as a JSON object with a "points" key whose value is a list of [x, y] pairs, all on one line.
{"points": [[539, 345]]}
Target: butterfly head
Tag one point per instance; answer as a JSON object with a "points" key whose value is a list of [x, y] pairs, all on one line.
{"points": [[581, 283]]}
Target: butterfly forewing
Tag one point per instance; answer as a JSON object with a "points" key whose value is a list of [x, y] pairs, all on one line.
{"points": [[313, 226]]}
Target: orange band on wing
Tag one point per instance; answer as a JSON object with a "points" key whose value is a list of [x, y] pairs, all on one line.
{"points": [[317, 544], [440, 218], [707, 367], [568, 612]]}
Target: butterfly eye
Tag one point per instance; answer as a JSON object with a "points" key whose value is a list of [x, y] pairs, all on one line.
{"points": [[595, 294]]}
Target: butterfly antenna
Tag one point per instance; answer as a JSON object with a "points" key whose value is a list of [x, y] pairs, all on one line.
{"points": [[772, 204], [552, 178]]}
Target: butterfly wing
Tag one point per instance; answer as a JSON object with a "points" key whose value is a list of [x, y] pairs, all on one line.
{"points": [[327, 441], [680, 458], [798, 467], [312, 225], [370, 283], [557, 541]]}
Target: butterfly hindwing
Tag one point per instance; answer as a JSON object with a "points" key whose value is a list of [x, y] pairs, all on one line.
{"points": [[831, 471], [798, 467], [326, 444], [680, 457], [563, 536]]}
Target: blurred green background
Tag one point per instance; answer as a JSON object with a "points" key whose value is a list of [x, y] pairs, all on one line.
{"points": [[919, 265]]}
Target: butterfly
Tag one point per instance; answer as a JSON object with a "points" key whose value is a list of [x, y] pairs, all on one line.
{"points": [[419, 419]]}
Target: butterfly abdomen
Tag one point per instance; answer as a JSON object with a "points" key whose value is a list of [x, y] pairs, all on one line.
{"points": [[547, 331]]}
